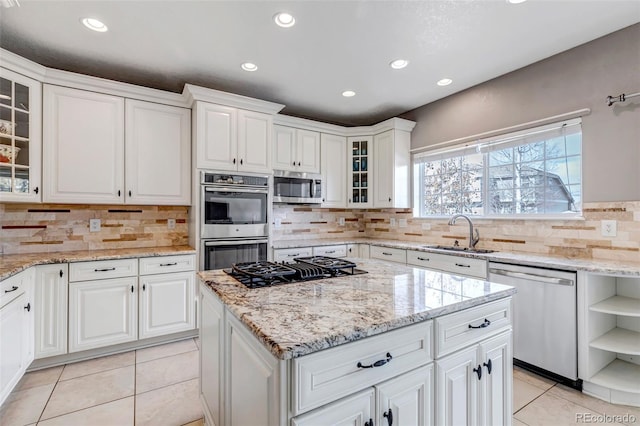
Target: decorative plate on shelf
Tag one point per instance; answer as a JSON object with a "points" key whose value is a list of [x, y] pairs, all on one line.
{"points": [[8, 153]]}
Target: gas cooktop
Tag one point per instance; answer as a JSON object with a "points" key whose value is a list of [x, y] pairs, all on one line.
{"points": [[265, 274]]}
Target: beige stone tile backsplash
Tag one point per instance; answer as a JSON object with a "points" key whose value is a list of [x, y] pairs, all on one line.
{"points": [[33, 228], [579, 238]]}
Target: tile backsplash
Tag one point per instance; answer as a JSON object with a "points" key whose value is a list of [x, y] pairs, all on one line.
{"points": [[33, 228], [578, 238]]}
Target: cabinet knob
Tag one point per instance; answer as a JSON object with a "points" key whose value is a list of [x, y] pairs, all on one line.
{"points": [[131, 289], [144, 287], [389, 199], [234, 161], [488, 365], [478, 371], [293, 164], [118, 192], [129, 193], [389, 416], [241, 161], [28, 307], [298, 163], [61, 273], [36, 190]]}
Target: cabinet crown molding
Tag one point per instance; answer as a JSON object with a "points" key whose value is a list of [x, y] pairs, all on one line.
{"points": [[192, 93], [318, 126], [21, 65]]}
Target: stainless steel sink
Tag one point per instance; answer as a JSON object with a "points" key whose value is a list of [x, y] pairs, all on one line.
{"points": [[460, 249]]}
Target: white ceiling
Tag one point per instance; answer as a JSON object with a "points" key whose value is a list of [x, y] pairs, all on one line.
{"points": [[334, 46]]}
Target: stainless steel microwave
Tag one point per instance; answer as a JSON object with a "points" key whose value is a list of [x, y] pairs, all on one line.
{"points": [[296, 187]]}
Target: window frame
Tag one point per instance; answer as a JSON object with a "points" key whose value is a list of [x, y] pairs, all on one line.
{"points": [[488, 145]]}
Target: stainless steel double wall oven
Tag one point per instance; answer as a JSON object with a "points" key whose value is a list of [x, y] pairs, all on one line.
{"points": [[233, 219]]}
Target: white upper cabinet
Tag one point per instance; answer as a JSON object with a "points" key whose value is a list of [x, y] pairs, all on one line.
{"points": [[334, 170], [20, 138], [83, 146], [88, 149], [392, 166], [232, 139], [157, 153], [296, 150], [254, 141]]}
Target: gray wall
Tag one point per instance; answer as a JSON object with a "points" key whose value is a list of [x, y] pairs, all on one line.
{"points": [[578, 78]]}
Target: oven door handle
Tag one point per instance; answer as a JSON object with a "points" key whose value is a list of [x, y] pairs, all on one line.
{"points": [[233, 242], [244, 190]]}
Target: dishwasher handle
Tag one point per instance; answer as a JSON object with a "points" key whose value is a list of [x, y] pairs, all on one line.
{"points": [[532, 277]]}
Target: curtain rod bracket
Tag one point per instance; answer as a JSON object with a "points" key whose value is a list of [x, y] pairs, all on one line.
{"points": [[621, 98]]}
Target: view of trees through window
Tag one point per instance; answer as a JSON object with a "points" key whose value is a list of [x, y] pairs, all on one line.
{"points": [[518, 177]]}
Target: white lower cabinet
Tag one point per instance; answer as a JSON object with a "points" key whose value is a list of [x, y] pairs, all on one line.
{"points": [[388, 379], [50, 306], [354, 410], [166, 304], [16, 330], [407, 399], [255, 380], [102, 313], [474, 385]]}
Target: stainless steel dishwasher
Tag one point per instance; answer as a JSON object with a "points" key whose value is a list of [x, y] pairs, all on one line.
{"points": [[544, 319]]}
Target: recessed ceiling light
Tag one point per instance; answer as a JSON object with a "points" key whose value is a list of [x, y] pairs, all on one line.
{"points": [[94, 24], [398, 64], [248, 66], [516, 1], [348, 93], [444, 82], [284, 19]]}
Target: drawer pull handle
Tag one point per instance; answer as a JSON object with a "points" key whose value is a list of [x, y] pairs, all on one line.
{"points": [[104, 270], [426, 259], [169, 264], [61, 273], [28, 307], [485, 324], [488, 365], [369, 423], [387, 254], [144, 288], [131, 289], [478, 371], [378, 363], [13, 288], [389, 416], [462, 265], [330, 251], [293, 255]]}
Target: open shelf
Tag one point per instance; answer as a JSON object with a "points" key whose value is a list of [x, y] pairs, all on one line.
{"points": [[618, 305], [619, 340], [619, 375]]}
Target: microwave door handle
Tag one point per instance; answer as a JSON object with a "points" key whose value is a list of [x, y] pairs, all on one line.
{"points": [[233, 243], [313, 188]]}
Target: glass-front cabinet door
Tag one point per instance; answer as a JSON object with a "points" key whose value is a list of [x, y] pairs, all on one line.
{"points": [[20, 137], [359, 182]]}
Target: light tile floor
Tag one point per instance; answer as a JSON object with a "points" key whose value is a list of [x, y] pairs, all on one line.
{"points": [[159, 386], [540, 401], [152, 386]]}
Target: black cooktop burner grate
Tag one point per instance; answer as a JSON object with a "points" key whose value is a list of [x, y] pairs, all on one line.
{"points": [[265, 274]]}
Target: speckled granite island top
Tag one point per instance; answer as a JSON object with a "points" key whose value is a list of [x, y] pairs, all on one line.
{"points": [[11, 264], [292, 320]]}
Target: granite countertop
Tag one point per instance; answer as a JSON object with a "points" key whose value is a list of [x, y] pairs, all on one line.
{"points": [[293, 320], [528, 259], [11, 264]]}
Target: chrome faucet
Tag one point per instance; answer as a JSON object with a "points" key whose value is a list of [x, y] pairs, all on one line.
{"points": [[473, 237]]}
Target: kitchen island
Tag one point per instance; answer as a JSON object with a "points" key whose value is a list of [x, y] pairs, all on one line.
{"points": [[399, 344]]}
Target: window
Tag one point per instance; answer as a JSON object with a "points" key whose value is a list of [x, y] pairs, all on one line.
{"points": [[533, 172]]}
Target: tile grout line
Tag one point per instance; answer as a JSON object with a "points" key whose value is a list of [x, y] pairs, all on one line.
{"points": [[82, 409], [50, 395], [534, 399]]}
